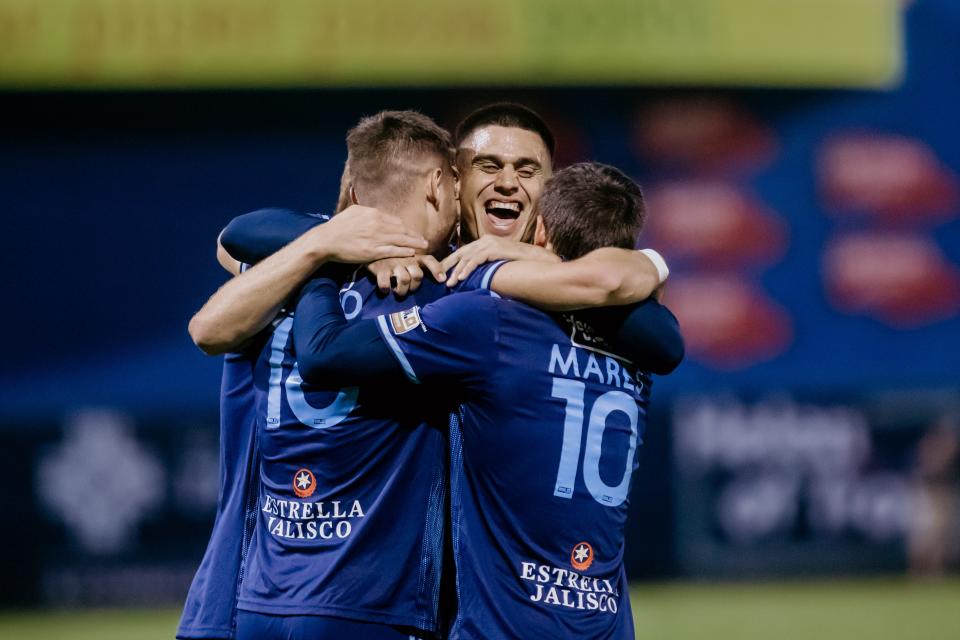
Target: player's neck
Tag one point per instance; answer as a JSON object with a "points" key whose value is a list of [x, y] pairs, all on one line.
{"points": [[411, 213]]}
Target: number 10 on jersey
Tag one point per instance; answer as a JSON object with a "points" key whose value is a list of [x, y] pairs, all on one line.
{"points": [[574, 392]]}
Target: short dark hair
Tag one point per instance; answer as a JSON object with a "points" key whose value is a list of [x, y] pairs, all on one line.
{"points": [[590, 205], [506, 114], [383, 150]]}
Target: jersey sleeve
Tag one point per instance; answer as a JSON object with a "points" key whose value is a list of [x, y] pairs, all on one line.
{"points": [[330, 351], [452, 340], [480, 278], [645, 333], [256, 235]]}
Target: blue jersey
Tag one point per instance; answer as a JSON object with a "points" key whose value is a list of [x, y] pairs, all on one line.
{"points": [[210, 608], [542, 457], [353, 484]]}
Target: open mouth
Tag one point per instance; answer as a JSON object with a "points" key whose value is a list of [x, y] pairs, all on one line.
{"points": [[503, 214]]}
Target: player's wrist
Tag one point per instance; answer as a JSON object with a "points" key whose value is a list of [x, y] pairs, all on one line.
{"points": [[663, 272], [319, 247]]}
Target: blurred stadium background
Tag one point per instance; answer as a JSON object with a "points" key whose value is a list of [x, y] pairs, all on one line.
{"points": [[799, 477]]}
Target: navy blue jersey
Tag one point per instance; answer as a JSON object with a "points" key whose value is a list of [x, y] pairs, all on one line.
{"points": [[353, 483], [542, 457], [210, 608]]}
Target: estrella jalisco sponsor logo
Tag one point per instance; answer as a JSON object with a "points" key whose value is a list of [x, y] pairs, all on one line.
{"points": [[561, 587], [304, 520]]}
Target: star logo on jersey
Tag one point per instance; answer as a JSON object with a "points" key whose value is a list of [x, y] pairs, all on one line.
{"points": [[304, 483], [582, 556]]}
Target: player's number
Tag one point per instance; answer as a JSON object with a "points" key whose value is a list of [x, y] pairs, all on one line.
{"points": [[574, 391], [311, 416]]}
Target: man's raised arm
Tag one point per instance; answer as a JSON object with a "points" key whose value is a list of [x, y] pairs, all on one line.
{"points": [[605, 280], [604, 277], [257, 235], [246, 304]]}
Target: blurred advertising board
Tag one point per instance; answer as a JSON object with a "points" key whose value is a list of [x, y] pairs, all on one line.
{"points": [[780, 486], [258, 43], [104, 509]]}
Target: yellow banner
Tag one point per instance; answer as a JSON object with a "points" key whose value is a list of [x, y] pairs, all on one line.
{"points": [[271, 43]]}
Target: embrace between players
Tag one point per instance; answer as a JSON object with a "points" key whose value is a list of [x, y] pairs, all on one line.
{"points": [[424, 442]]}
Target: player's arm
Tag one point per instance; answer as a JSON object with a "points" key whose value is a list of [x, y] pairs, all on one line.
{"points": [[646, 333], [255, 236], [246, 304], [433, 344], [604, 277], [462, 262], [331, 352]]}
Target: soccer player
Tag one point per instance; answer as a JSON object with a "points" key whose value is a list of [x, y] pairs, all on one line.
{"points": [[210, 607], [551, 416]]}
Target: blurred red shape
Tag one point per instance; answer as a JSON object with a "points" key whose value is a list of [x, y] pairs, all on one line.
{"points": [[703, 134], [887, 177], [728, 323], [903, 280], [713, 224]]}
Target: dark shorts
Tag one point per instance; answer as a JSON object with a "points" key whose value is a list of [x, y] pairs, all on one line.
{"points": [[263, 626]]}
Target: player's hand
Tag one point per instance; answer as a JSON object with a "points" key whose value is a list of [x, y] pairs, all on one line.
{"points": [[404, 275], [470, 256], [359, 234]]}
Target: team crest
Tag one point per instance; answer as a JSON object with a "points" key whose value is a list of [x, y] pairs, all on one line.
{"points": [[304, 483], [407, 320], [582, 556]]}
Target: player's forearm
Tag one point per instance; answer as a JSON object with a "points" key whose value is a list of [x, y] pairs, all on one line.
{"points": [[331, 352], [604, 277], [246, 304], [254, 236], [623, 276]]}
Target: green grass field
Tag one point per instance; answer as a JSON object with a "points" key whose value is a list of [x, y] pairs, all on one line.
{"points": [[874, 610]]}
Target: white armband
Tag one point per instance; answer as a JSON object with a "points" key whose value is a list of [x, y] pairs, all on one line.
{"points": [[662, 270]]}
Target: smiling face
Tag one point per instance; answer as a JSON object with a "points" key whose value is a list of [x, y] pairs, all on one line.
{"points": [[502, 171]]}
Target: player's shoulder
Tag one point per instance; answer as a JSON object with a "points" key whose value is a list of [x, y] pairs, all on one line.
{"points": [[476, 298], [463, 308]]}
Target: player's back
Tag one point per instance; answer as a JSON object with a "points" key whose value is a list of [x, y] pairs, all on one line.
{"points": [[542, 458], [548, 455], [353, 489]]}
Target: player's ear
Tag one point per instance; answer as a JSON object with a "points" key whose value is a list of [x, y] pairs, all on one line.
{"points": [[456, 182], [353, 195], [540, 234], [435, 187]]}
